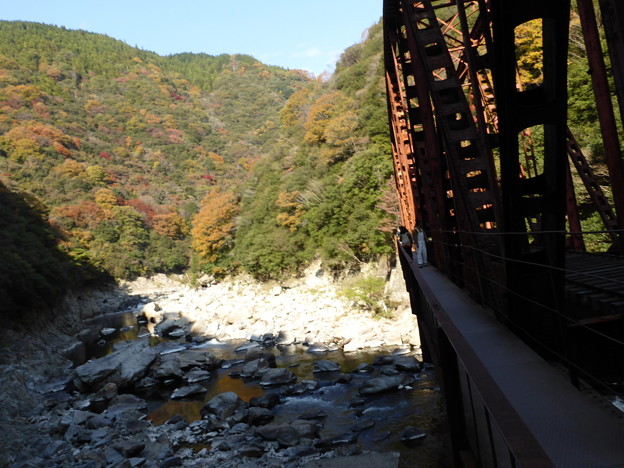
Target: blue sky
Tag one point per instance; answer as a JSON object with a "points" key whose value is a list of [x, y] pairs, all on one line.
{"points": [[294, 34]]}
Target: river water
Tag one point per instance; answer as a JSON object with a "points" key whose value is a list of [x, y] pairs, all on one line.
{"points": [[419, 406]]}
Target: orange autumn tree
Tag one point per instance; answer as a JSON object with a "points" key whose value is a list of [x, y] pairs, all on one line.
{"points": [[170, 225], [291, 210], [213, 225]]}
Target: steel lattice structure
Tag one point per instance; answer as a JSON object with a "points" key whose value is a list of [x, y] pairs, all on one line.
{"points": [[464, 156], [499, 205]]}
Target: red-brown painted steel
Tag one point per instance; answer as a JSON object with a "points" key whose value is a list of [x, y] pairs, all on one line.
{"points": [[613, 21], [606, 116], [461, 123]]}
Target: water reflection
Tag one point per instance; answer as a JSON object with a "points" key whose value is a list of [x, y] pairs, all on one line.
{"points": [[126, 328], [190, 410]]}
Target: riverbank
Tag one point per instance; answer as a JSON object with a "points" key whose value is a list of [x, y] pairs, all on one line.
{"points": [[308, 309], [35, 371]]}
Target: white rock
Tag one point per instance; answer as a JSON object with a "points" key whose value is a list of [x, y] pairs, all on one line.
{"points": [[308, 308], [351, 347], [152, 310]]}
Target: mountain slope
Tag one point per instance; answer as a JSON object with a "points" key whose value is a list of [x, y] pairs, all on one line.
{"points": [[147, 164], [119, 145]]}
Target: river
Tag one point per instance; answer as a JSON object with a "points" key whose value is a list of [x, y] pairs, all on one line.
{"points": [[418, 405]]}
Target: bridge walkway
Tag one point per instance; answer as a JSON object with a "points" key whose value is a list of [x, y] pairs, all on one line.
{"points": [[521, 410]]}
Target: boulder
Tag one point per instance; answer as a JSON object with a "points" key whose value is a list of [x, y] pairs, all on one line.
{"points": [[113, 457], [384, 360], [268, 401], [257, 353], [277, 376], [143, 332], [176, 333], [267, 340], [224, 406], [299, 388], [170, 348], [129, 448], [381, 384], [170, 324], [197, 376], [75, 352], [259, 416], [288, 437], [307, 429], [362, 425], [108, 332], [123, 367], [389, 370], [352, 346], [317, 348], [284, 338], [337, 441], [401, 363], [284, 434], [167, 368], [125, 404], [363, 368], [251, 450], [105, 394], [313, 414], [247, 346], [412, 436], [357, 402], [324, 365], [205, 281], [184, 392], [174, 365], [170, 462], [407, 363], [256, 369]]}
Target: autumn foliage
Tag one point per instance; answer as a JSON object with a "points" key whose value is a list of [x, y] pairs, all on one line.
{"points": [[214, 224], [149, 164]]}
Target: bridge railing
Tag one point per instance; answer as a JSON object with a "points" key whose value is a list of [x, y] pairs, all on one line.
{"points": [[506, 406]]}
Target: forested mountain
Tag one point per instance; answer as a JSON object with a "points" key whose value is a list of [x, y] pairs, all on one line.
{"points": [[144, 164], [138, 163], [320, 187]]}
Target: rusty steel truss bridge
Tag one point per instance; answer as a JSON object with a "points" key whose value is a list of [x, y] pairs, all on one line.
{"points": [[520, 308]]}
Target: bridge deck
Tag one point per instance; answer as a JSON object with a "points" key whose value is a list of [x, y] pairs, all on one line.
{"points": [[532, 406], [595, 286]]}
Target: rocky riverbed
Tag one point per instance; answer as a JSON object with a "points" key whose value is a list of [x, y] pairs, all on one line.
{"points": [[309, 309], [227, 374]]}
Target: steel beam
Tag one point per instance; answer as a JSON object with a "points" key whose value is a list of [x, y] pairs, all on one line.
{"points": [[613, 21], [604, 106]]}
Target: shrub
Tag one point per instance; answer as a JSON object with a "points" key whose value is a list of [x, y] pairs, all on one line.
{"points": [[368, 291]]}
